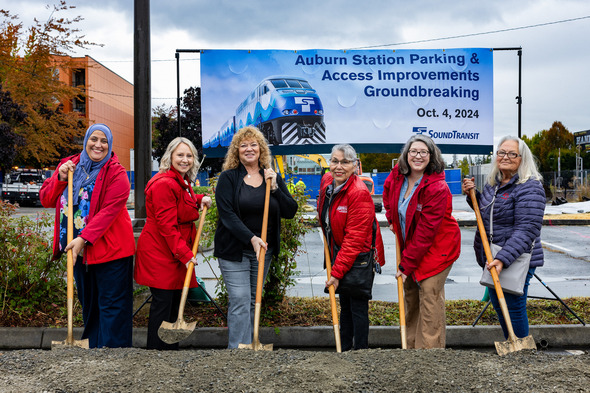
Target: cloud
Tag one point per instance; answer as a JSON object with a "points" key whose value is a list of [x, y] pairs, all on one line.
{"points": [[554, 61]]}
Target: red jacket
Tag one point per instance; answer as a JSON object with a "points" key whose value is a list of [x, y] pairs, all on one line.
{"points": [[352, 213], [166, 241], [109, 230], [433, 238]]}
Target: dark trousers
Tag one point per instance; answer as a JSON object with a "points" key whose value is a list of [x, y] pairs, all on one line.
{"points": [[354, 323], [105, 291], [164, 307]]}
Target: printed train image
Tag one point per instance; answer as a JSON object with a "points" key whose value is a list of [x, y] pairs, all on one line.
{"points": [[286, 109]]}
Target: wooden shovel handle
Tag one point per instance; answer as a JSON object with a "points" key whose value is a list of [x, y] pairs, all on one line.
{"points": [[262, 254], [191, 266], [400, 296], [332, 293], [260, 276], [493, 271], [70, 260]]}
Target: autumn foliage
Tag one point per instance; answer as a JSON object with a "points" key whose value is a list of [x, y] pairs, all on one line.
{"points": [[31, 60]]}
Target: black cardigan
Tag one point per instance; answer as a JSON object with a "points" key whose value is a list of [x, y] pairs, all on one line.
{"points": [[231, 234]]}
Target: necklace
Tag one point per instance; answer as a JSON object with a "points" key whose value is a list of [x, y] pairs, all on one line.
{"points": [[87, 175], [249, 176]]}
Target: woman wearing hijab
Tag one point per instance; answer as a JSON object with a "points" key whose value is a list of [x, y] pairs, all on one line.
{"points": [[103, 244]]}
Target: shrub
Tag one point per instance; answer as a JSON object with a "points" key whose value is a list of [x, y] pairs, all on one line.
{"points": [[280, 276], [30, 281]]}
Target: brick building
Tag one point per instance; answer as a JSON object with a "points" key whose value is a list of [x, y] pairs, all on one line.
{"points": [[109, 100]]}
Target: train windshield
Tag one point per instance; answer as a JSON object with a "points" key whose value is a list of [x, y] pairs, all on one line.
{"points": [[279, 83], [290, 83]]}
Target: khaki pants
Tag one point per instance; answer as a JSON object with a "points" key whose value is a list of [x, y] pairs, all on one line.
{"points": [[425, 311]]}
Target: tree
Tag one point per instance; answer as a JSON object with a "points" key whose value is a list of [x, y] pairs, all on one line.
{"points": [[11, 115], [464, 165], [166, 127], [383, 162], [164, 130], [191, 117], [30, 62], [547, 145]]}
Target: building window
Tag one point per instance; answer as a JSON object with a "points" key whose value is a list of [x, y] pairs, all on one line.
{"points": [[79, 80]]}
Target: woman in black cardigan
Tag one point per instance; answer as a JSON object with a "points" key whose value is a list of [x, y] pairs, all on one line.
{"points": [[240, 198]]}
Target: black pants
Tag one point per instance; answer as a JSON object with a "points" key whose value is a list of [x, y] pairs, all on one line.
{"points": [[354, 323], [164, 307]]}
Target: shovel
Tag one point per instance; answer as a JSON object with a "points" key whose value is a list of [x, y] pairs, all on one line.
{"points": [[332, 292], [256, 345], [70, 342], [513, 344], [172, 333], [400, 297]]}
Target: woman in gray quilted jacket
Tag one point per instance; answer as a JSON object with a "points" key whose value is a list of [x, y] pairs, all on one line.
{"points": [[515, 187]]}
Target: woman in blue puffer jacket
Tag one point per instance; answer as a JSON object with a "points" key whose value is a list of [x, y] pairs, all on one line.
{"points": [[518, 217]]}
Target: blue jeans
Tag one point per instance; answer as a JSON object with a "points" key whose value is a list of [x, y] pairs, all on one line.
{"points": [[105, 291], [240, 281], [516, 309]]}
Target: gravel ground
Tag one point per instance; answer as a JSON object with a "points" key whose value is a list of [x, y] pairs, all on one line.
{"points": [[373, 370]]}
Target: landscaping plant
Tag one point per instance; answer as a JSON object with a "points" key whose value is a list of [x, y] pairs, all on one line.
{"points": [[30, 281]]}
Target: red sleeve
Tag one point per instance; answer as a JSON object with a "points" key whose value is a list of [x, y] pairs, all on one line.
{"points": [[51, 190], [112, 199], [359, 225], [387, 189], [429, 222], [165, 199]]}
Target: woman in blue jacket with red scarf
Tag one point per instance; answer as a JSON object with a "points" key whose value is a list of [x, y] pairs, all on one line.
{"points": [[103, 244], [514, 186], [419, 206]]}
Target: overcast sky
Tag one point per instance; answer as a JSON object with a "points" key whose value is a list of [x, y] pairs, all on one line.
{"points": [[555, 61]]}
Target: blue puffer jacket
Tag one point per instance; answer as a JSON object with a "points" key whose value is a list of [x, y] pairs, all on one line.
{"points": [[518, 218]]}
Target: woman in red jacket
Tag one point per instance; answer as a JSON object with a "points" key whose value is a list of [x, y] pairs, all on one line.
{"points": [[347, 214], [419, 206], [103, 244], [164, 248]]}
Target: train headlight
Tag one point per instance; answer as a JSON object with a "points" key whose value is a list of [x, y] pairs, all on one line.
{"points": [[285, 112], [295, 111]]}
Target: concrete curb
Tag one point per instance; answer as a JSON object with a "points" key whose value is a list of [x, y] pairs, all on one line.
{"points": [[546, 336]]}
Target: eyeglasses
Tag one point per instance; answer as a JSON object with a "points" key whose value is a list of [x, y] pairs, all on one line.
{"points": [[512, 155], [421, 153], [335, 162]]}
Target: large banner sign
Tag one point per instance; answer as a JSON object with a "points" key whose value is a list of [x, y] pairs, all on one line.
{"points": [[306, 101]]}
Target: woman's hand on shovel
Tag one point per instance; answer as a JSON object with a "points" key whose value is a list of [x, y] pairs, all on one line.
{"points": [[497, 263], [193, 260], [257, 244], [403, 276], [76, 245], [333, 281], [206, 201], [64, 168]]}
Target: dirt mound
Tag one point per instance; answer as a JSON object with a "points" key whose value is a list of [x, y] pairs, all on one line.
{"points": [[373, 370]]}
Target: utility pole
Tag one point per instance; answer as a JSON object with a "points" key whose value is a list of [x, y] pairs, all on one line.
{"points": [[142, 107]]}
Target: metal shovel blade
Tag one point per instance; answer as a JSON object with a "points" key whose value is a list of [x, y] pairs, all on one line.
{"points": [[70, 343], [256, 346], [172, 333], [509, 346]]}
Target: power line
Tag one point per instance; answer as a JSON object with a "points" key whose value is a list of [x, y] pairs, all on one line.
{"points": [[475, 34]]}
